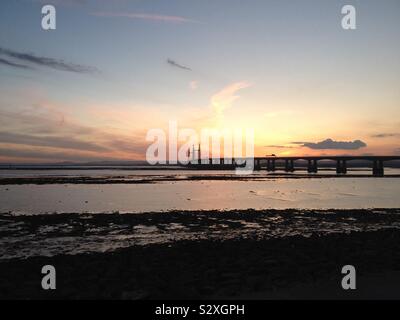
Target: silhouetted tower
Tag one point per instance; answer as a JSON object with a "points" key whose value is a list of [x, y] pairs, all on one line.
{"points": [[198, 154]]}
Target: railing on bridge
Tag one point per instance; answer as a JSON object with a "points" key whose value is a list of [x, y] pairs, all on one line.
{"points": [[312, 163]]}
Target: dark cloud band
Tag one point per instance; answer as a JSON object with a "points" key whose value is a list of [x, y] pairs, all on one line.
{"points": [[280, 146], [178, 65], [50, 141], [44, 62], [13, 64]]}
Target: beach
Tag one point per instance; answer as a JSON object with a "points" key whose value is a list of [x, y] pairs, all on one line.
{"points": [[265, 255]]}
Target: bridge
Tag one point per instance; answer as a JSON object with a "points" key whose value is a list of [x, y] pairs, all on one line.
{"points": [[270, 163]]}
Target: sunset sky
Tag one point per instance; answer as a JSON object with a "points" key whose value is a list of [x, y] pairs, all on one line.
{"points": [[112, 70]]}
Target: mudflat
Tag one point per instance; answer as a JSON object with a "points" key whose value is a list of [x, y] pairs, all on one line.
{"points": [[244, 266]]}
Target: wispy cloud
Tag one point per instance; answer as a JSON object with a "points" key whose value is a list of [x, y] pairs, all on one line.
{"points": [[30, 58], [386, 135], [145, 16], [224, 99], [50, 141], [178, 65], [63, 2], [194, 84], [330, 144]]}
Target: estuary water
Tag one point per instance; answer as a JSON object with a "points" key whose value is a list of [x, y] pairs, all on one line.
{"points": [[178, 193]]}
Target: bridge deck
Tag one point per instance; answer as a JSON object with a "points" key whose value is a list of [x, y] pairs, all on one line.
{"points": [[341, 162], [334, 158]]}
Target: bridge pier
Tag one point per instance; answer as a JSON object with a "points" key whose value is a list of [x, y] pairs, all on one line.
{"points": [[378, 169], [341, 167], [312, 166], [289, 165], [271, 165], [257, 164]]}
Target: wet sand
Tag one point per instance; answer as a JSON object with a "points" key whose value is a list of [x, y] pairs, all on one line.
{"points": [[140, 179], [254, 267]]}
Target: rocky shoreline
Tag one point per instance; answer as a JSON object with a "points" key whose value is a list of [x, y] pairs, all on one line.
{"points": [[25, 236], [202, 269]]}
